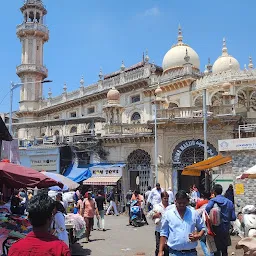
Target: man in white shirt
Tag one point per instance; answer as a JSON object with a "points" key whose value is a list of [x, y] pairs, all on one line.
{"points": [[155, 195], [171, 196], [159, 210], [146, 198]]}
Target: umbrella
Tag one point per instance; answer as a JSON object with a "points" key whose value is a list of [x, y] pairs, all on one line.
{"points": [[17, 176], [248, 174], [68, 183]]}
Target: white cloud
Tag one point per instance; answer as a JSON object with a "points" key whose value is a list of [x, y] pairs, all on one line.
{"points": [[151, 12]]}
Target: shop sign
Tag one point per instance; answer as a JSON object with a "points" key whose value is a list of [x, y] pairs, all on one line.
{"points": [[239, 188], [41, 159], [44, 163], [181, 147], [237, 144], [111, 171]]}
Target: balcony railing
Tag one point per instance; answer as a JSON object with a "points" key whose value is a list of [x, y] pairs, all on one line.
{"points": [[32, 26], [58, 140], [32, 68], [127, 129], [195, 112]]}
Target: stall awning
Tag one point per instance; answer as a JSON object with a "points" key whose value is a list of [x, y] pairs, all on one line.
{"points": [[195, 169], [104, 181]]}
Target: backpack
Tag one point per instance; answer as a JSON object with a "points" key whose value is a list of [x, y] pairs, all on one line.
{"points": [[215, 215]]}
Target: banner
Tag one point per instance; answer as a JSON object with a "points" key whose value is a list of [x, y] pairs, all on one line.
{"points": [[10, 150], [237, 144]]}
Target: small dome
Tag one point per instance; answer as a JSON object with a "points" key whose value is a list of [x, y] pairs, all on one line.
{"points": [[175, 56], [113, 94], [158, 90], [225, 62], [226, 85]]}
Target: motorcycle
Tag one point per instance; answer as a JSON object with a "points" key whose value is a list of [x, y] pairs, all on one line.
{"points": [[136, 214], [245, 224]]}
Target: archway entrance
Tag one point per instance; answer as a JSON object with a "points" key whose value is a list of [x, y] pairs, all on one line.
{"points": [[188, 157], [139, 165], [186, 153]]}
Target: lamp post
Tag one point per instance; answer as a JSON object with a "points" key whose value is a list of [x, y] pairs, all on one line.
{"points": [[14, 86], [157, 102], [207, 182]]}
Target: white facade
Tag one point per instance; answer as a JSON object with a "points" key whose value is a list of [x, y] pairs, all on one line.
{"points": [[123, 121]]}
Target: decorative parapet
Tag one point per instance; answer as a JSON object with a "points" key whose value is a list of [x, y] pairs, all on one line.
{"points": [[226, 76], [116, 81], [31, 68], [127, 129], [178, 73], [195, 112]]}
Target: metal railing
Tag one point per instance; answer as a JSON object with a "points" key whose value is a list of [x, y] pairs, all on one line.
{"points": [[246, 128]]}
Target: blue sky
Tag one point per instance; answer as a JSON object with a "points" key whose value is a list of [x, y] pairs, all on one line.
{"points": [[86, 35]]}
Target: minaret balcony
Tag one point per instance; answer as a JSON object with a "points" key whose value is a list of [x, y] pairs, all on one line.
{"points": [[28, 68], [32, 28]]}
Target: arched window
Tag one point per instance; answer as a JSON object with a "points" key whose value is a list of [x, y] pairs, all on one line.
{"points": [[73, 129], [136, 119], [199, 101], [31, 16], [57, 133], [38, 17]]}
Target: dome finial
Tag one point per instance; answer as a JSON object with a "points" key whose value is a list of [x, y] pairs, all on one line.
{"points": [[206, 71], [100, 74], [250, 63], [180, 37], [146, 57], [224, 48], [187, 58], [65, 88], [49, 93], [122, 66], [82, 81]]}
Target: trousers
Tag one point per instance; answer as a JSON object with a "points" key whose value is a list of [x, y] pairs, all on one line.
{"points": [[112, 205], [101, 213], [157, 236]]}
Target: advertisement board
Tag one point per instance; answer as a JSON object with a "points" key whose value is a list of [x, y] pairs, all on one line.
{"points": [[41, 159], [237, 144]]}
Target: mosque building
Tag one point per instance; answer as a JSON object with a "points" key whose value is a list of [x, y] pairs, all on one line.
{"points": [[112, 120]]}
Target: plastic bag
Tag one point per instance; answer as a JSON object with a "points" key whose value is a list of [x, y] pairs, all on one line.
{"points": [[215, 215]]}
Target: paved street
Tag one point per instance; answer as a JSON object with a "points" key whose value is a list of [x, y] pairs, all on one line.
{"points": [[120, 240]]}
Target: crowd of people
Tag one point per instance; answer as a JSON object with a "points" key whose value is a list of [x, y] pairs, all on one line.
{"points": [[180, 223], [179, 220]]}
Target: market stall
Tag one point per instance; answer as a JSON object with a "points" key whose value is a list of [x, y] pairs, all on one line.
{"points": [[16, 176], [248, 174], [105, 177]]}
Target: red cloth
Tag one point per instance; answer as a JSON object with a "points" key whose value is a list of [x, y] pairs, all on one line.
{"points": [[39, 244], [200, 203], [17, 176]]}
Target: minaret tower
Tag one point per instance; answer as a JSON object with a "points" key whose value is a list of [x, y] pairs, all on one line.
{"points": [[32, 34]]}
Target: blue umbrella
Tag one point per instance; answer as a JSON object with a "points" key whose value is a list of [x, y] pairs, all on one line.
{"points": [[68, 183]]}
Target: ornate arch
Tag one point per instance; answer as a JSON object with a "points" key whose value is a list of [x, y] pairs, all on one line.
{"points": [[216, 99], [173, 105], [130, 112], [73, 129], [57, 133], [139, 157], [193, 145], [198, 101], [136, 118]]}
